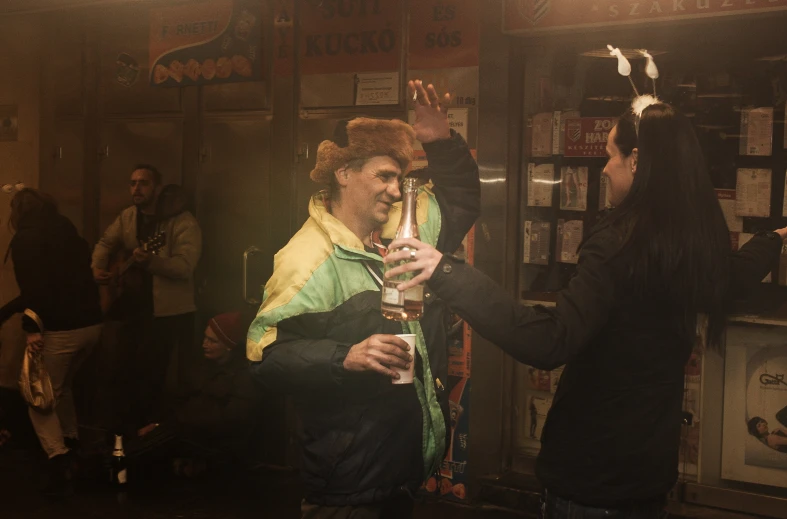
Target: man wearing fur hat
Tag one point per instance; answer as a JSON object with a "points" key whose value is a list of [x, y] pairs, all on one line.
{"points": [[319, 335]]}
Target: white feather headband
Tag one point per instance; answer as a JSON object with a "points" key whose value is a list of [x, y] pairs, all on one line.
{"points": [[640, 102], [638, 106]]}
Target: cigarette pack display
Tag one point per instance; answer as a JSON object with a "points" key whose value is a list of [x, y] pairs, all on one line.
{"points": [[540, 181], [753, 192], [536, 242]]}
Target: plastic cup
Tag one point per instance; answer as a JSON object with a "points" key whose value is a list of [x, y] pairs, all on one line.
{"points": [[406, 375]]}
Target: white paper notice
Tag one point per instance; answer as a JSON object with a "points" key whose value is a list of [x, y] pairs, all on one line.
{"points": [[756, 131], [727, 202], [605, 194], [569, 236], [753, 193], [542, 135], [536, 240], [380, 88], [457, 121], [574, 188], [540, 180]]}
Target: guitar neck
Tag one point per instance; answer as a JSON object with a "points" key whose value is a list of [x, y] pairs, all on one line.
{"points": [[125, 266]]}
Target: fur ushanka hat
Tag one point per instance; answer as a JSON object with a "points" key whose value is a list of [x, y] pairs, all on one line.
{"points": [[363, 138]]}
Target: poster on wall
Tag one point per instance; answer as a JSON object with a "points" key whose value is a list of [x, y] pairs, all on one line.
{"points": [[754, 440], [206, 43], [540, 180], [574, 188], [536, 243], [450, 481], [689, 454], [756, 132], [587, 136], [537, 409], [459, 346], [753, 192], [541, 380]]}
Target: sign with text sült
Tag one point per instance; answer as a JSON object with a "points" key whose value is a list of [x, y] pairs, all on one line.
{"points": [[588, 136], [218, 41], [534, 16], [339, 36]]}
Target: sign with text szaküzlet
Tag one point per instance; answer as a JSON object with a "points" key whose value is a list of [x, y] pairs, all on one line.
{"points": [[534, 16], [217, 41]]}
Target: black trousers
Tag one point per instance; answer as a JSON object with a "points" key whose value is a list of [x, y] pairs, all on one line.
{"points": [[145, 346]]}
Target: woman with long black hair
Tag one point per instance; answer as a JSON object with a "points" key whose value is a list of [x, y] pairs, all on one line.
{"points": [[52, 269], [626, 323]]}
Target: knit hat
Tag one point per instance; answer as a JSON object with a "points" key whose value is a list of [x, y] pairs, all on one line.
{"points": [[229, 328], [363, 138]]}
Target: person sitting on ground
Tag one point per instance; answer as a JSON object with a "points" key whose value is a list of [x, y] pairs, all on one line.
{"points": [[211, 420]]}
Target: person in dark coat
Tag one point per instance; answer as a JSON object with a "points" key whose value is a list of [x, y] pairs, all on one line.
{"points": [[367, 444], [62, 315], [626, 323], [212, 419]]}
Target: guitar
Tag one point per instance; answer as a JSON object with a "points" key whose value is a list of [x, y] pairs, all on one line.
{"points": [[125, 278]]}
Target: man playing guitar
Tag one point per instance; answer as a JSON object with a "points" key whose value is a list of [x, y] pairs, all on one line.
{"points": [[156, 305]]}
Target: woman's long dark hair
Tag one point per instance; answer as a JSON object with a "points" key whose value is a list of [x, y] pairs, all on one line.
{"points": [[28, 204], [675, 236]]}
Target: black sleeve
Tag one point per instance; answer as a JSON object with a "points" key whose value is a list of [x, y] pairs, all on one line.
{"points": [[541, 337], [295, 364], [454, 173], [31, 277], [12, 307], [750, 264]]}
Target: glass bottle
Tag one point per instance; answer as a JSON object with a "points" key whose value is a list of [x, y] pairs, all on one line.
{"points": [[407, 305], [119, 468]]}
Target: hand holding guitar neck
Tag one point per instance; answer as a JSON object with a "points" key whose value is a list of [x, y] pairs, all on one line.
{"points": [[118, 279], [142, 256]]}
